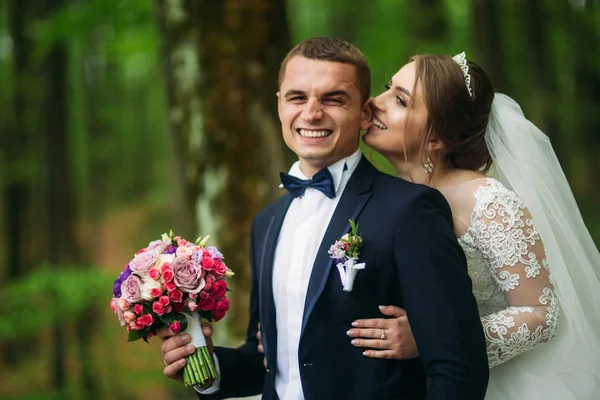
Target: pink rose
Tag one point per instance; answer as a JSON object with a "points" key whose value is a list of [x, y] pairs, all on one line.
{"points": [[207, 262], [165, 266], [168, 274], [155, 292], [181, 242], [206, 304], [139, 324], [188, 276], [124, 304], [204, 294], [219, 268], [192, 305], [209, 279], [183, 252], [219, 289], [113, 305], [220, 309], [169, 308], [159, 246], [158, 308], [175, 326], [154, 273], [176, 296], [170, 286], [194, 295], [131, 289], [179, 306], [164, 300], [129, 316], [143, 261], [138, 309], [147, 319]]}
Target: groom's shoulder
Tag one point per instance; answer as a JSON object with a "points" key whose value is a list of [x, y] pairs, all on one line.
{"points": [[397, 192], [267, 213]]}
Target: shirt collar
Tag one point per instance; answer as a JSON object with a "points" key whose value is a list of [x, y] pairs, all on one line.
{"points": [[338, 169]]}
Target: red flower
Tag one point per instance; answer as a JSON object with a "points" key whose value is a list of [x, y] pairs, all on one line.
{"points": [[147, 319], [164, 300], [158, 308], [207, 262], [167, 274], [170, 286], [209, 279], [221, 309], [138, 309], [175, 326], [154, 273], [219, 268], [155, 292], [164, 267], [176, 295], [219, 289], [179, 307], [207, 304], [193, 295], [204, 295]]}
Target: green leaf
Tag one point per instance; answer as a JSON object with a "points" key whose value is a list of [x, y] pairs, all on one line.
{"points": [[136, 335]]}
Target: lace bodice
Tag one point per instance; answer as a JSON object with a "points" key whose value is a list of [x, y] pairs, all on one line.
{"points": [[511, 280]]}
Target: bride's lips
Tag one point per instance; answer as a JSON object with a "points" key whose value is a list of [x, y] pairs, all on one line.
{"points": [[379, 124]]}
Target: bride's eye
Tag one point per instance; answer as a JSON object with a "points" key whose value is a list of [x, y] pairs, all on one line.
{"points": [[401, 101]]}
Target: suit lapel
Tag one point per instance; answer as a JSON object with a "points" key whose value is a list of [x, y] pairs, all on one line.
{"points": [[266, 300], [354, 198]]}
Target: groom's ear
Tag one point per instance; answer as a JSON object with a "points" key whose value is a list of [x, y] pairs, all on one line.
{"points": [[279, 105], [367, 115]]}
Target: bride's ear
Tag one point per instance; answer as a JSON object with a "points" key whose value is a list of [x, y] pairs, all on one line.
{"points": [[435, 144], [367, 115]]}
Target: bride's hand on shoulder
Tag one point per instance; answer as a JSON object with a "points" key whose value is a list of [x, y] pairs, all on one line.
{"points": [[389, 338]]}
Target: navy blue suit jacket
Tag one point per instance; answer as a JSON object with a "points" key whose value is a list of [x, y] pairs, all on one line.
{"points": [[412, 260]]}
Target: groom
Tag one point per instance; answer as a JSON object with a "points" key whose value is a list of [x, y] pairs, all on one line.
{"points": [[410, 251]]}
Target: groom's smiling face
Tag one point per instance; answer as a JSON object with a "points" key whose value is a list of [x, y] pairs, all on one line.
{"points": [[320, 111]]}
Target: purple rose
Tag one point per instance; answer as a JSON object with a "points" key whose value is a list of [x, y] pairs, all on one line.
{"points": [[188, 275], [117, 285], [214, 252], [143, 261], [131, 289]]}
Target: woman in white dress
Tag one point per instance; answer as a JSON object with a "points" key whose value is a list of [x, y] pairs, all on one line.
{"points": [[536, 284]]}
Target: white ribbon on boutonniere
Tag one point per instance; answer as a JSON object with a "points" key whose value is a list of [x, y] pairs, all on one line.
{"points": [[348, 271], [346, 252]]}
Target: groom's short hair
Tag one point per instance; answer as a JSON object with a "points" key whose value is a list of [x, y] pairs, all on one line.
{"points": [[335, 50]]}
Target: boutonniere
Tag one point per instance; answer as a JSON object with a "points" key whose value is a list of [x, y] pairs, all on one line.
{"points": [[346, 252]]}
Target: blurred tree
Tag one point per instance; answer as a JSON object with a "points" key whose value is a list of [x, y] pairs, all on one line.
{"points": [[222, 61]]}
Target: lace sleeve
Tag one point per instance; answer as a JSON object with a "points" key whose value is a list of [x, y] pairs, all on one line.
{"points": [[510, 243]]}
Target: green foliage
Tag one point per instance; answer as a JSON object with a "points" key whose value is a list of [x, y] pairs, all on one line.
{"points": [[48, 295]]}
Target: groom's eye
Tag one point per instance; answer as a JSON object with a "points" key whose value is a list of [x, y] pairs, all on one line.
{"points": [[332, 101]]}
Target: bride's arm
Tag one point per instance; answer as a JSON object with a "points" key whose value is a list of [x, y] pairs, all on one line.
{"points": [[506, 235]]}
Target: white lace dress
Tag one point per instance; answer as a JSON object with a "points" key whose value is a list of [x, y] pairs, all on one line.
{"points": [[507, 264]]}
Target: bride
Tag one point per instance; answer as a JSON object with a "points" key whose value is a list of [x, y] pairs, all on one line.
{"points": [[537, 287]]}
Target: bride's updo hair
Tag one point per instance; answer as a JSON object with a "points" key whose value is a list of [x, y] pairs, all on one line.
{"points": [[457, 119]]}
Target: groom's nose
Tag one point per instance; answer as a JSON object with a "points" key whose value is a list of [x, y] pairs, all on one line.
{"points": [[313, 110]]}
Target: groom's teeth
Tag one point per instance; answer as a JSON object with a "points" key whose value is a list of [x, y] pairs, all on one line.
{"points": [[314, 134], [379, 124]]}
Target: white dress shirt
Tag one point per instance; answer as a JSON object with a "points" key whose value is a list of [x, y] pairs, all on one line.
{"points": [[301, 234]]}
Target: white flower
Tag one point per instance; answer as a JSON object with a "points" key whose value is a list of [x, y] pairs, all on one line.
{"points": [[147, 286]]}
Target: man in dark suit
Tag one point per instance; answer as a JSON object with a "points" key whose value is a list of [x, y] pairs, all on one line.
{"points": [[410, 252]]}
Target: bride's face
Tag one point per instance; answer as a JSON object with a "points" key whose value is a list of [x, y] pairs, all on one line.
{"points": [[399, 117]]}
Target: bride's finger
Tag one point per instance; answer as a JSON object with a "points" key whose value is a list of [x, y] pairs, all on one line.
{"points": [[372, 323], [371, 343], [374, 333], [389, 354]]}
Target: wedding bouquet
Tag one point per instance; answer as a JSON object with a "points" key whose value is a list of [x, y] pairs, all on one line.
{"points": [[174, 283]]}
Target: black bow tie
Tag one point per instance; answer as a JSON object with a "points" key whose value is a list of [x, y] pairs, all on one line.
{"points": [[322, 181]]}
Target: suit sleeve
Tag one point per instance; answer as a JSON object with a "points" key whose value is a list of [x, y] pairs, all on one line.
{"points": [[242, 370], [439, 302]]}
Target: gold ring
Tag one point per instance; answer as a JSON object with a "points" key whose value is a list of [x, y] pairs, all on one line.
{"points": [[382, 334]]}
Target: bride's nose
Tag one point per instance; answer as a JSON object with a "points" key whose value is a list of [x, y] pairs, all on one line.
{"points": [[377, 103]]}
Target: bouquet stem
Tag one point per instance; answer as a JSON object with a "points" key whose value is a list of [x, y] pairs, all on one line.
{"points": [[199, 369]]}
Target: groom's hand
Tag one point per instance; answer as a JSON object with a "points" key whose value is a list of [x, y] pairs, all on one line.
{"points": [[175, 347]]}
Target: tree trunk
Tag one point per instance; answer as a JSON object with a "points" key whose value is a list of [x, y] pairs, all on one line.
{"points": [[224, 60], [61, 246]]}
